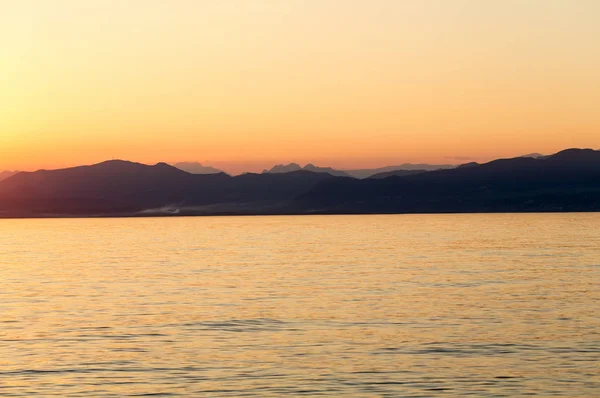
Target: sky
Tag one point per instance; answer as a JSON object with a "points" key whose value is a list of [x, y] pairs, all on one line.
{"points": [[244, 84]]}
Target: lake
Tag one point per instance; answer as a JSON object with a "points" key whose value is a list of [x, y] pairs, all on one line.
{"points": [[497, 305]]}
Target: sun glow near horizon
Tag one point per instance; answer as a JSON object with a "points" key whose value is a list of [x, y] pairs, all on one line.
{"points": [[244, 82]]}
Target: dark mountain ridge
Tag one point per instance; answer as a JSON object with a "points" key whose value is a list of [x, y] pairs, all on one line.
{"points": [[566, 181], [121, 187]]}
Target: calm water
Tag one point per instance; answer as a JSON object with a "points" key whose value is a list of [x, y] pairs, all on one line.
{"points": [[363, 306]]}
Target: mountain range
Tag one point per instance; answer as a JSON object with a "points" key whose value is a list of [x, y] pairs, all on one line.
{"points": [[358, 173], [566, 181]]}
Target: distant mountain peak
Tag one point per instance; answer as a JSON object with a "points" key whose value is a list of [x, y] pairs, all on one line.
{"points": [[534, 155], [281, 168]]}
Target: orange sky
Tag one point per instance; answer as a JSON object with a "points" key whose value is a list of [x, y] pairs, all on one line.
{"points": [[243, 84]]}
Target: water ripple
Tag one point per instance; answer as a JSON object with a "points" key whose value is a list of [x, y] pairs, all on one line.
{"points": [[360, 306]]}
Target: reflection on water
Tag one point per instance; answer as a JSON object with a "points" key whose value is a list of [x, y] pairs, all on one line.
{"points": [[364, 306]]}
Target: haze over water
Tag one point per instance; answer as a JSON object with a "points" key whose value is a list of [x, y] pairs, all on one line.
{"points": [[363, 306]]}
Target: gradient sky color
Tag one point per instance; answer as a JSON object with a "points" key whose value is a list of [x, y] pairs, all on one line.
{"points": [[243, 84]]}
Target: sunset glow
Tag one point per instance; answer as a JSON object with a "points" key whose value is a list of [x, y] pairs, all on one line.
{"points": [[244, 84]]}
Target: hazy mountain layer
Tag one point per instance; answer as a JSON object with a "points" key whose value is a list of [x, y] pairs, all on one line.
{"points": [[366, 173], [5, 174], [287, 168], [196, 168]]}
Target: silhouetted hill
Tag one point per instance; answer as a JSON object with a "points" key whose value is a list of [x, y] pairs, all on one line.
{"points": [[196, 168], [113, 186], [568, 180], [397, 173], [470, 164], [120, 187], [107, 179]]}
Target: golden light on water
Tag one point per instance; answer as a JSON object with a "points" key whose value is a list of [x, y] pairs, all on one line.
{"points": [[405, 305]]}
